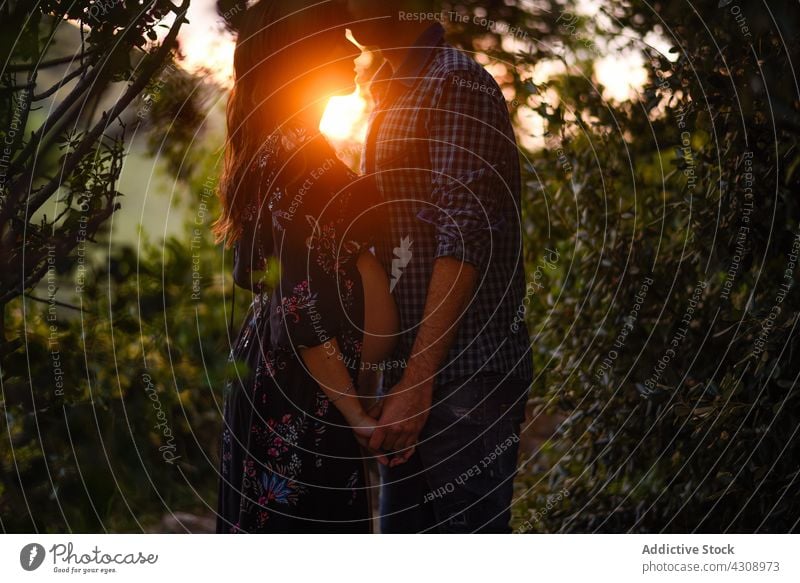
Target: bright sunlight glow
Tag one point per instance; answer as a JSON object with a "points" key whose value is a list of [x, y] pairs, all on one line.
{"points": [[344, 117]]}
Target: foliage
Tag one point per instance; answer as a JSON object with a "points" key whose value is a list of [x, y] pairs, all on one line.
{"points": [[679, 396], [73, 155], [108, 410], [89, 444]]}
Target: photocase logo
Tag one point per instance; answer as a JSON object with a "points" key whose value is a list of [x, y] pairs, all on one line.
{"points": [[31, 556]]}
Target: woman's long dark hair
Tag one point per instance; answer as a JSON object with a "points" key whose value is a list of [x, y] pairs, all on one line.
{"points": [[257, 105]]}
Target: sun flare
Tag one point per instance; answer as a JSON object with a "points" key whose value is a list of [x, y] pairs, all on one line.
{"points": [[344, 117]]}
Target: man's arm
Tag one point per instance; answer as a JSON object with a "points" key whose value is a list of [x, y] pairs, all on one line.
{"points": [[468, 151], [405, 409]]}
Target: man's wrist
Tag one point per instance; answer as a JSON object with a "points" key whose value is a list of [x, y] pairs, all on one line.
{"points": [[419, 380]]}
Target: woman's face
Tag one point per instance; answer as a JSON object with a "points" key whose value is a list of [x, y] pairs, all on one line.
{"points": [[326, 65]]}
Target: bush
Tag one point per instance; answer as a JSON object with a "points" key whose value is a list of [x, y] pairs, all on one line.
{"points": [[669, 341]]}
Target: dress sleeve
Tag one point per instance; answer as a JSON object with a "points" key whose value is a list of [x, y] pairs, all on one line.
{"points": [[251, 250]]}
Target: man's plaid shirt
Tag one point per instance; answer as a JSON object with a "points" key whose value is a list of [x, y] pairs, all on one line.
{"points": [[442, 152]]}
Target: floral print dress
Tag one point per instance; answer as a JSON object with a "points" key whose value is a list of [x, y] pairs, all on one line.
{"points": [[289, 462]]}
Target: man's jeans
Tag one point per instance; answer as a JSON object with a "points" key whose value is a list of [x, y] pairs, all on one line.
{"points": [[460, 478]]}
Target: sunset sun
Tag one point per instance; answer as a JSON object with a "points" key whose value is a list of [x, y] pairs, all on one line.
{"points": [[344, 117]]}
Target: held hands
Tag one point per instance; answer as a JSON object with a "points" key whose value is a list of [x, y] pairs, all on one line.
{"points": [[403, 414], [364, 427], [391, 427]]}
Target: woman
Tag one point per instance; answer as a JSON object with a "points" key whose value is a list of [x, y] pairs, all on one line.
{"points": [[290, 457]]}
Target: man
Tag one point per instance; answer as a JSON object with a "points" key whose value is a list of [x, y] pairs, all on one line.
{"points": [[442, 152]]}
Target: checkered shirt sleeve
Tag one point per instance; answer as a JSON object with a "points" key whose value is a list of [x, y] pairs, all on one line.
{"points": [[468, 154]]}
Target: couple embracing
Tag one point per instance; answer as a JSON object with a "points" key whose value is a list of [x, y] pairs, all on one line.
{"points": [[383, 306]]}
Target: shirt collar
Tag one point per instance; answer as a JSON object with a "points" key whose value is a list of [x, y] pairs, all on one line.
{"points": [[409, 71]]}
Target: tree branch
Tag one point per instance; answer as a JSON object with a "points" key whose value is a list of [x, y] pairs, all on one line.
{"points": [[64, 241], [71, 160], [18, 67], [66, 79]]}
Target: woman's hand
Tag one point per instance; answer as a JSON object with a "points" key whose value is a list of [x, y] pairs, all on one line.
{"points": [[329, 371], [364, 426]]}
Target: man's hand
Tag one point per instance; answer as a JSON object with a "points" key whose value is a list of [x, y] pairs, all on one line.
{"points": [[406, 406], [405, 411]]}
